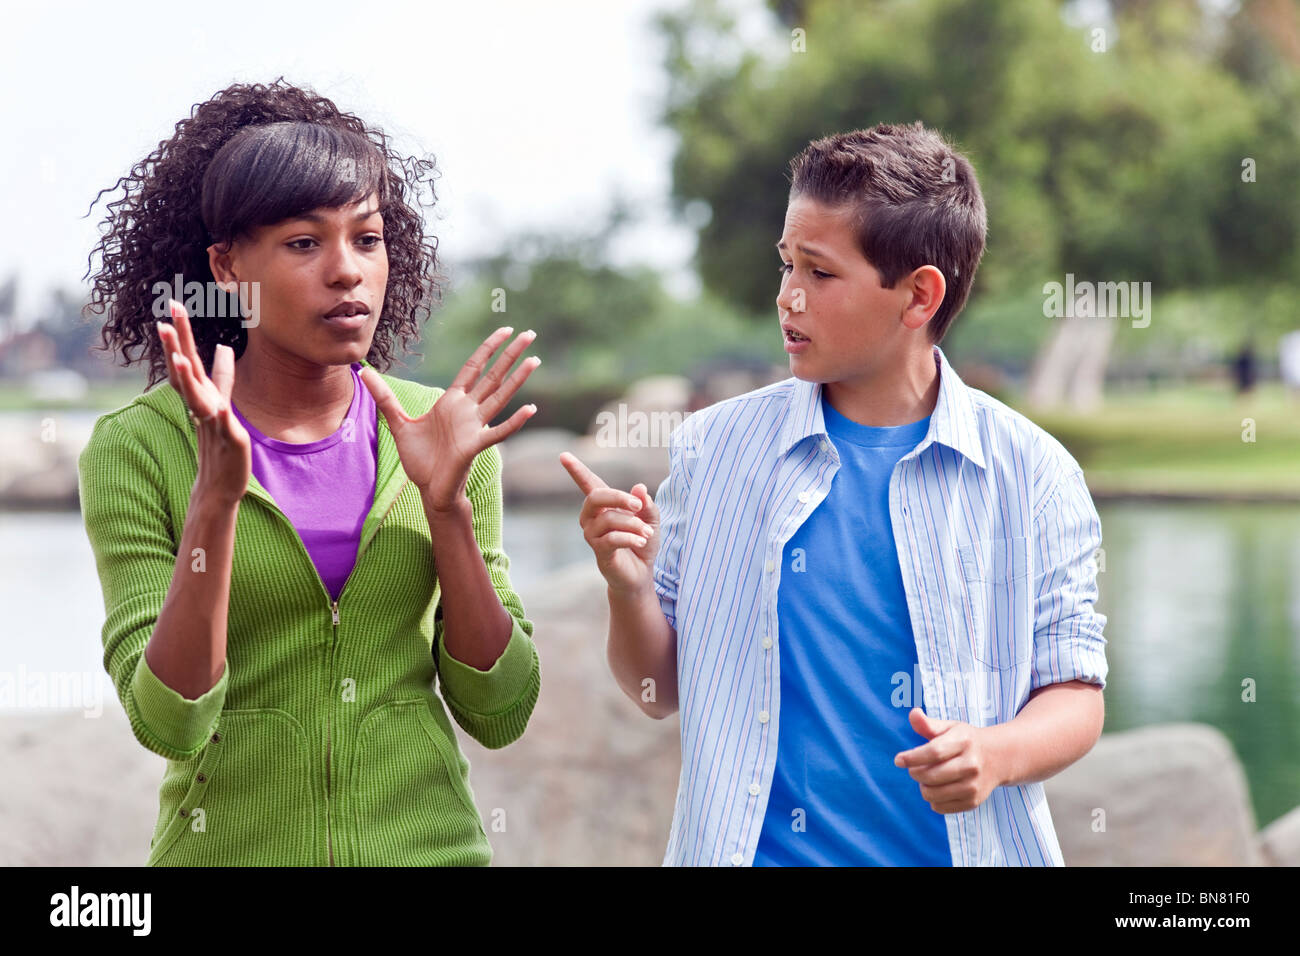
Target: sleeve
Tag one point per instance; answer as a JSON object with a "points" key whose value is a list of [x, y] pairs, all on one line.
{"points": [[130, 531], [671, 499], [492, 706], [1068, 641]]}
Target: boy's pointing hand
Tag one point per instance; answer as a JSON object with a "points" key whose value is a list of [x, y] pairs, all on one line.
{"points": [[955, 769], [622, 529]]}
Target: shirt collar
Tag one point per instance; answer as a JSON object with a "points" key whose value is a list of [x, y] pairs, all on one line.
{"points": [[952, 422]]}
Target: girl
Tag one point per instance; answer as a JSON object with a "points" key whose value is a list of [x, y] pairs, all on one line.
{"points": [[293, 544]]}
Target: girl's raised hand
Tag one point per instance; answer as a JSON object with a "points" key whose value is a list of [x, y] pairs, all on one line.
{"points": [[225, 451], [438, 448]]}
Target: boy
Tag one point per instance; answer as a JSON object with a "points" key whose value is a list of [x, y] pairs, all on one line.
{"points": [[833, 551]]}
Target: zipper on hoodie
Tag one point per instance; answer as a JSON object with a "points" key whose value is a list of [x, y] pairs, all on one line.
{"points": [[329, 722], [333, 605], [334, 619]]}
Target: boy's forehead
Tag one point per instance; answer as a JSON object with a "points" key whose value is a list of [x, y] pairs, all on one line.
{"points": [[808, 221]]}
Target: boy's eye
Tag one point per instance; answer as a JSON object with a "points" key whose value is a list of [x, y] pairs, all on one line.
{"points": [[784, 267], [822, 275]]}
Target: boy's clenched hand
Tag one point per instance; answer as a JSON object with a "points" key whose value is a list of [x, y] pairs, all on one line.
{"points": [[956, 769]]}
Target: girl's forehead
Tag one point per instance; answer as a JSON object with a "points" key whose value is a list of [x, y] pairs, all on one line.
{"points": [[357, 211]]}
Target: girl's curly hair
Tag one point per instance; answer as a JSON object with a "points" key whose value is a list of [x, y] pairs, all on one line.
{"points": [[254, 155]]}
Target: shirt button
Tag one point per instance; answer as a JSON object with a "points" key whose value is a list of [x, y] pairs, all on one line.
{"points": [[753, 789], [770, 567], [201, 778], [767, 642], [804, 496], [737, 859], [216, 738], [763, 716]]}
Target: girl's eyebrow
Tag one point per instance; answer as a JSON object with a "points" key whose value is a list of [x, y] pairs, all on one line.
{"points": [[316, 217]]}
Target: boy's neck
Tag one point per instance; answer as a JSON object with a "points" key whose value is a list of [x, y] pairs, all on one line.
{"points": [[904, 394]]}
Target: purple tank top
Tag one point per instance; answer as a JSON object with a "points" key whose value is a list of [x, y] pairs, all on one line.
{"points": [[325, 487]]}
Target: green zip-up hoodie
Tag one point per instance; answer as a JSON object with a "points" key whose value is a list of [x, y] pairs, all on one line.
{"points": [[324, 742]]}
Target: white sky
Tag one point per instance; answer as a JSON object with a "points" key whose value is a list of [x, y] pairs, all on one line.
{"points": [[536, 112]]}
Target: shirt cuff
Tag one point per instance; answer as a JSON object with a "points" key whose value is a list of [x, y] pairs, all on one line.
{"points": [[497, 689], [1077, 656], [173, 720]]}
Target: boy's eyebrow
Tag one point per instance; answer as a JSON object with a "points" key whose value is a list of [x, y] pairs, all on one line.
{"points": [[806, 250]]}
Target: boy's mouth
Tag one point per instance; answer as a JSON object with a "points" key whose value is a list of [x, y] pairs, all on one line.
{"points": [[791, 335]]}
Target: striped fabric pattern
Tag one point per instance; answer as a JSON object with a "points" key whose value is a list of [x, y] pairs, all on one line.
{"points": [[996, 535], [324, 742]]}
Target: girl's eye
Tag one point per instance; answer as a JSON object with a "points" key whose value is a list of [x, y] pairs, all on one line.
{"points": [[784, 268], [370, 244], [822, 275]]}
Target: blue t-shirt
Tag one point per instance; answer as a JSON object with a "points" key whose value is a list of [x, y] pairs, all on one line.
{"points": [[845, 636]]}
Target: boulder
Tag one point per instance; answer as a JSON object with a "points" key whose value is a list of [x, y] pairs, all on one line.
{"points": [[1163, 795]]}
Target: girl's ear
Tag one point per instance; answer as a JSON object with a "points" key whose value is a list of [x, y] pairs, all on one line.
{"points": [[222, 266]]}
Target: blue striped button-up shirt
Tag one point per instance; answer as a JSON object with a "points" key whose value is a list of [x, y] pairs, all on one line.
{"points": [[996, 536]]}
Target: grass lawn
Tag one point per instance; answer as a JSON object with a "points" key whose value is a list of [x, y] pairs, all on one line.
{"points": [[15, 397], [1187, 441]]}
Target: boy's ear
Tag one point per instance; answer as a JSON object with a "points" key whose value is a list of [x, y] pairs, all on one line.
{"points": [[927, 287]]}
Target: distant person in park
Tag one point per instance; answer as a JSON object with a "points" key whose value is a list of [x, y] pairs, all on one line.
{"points": [[293, 545], [1244, 368], [868, 588]]}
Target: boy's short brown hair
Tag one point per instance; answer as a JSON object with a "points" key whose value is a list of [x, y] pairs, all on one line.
{"points": [[916, 200]]}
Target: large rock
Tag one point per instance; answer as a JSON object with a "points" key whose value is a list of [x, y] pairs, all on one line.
{"points": [[1166, 795], [38, 458], [530, 466], [593, 780], [1279, 842], [627, 443]]}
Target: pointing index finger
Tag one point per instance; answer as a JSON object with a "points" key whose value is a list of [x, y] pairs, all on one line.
{"points": [[584, 477]]}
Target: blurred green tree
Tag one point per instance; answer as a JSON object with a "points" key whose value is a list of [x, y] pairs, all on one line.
{"points": [[1160, 144]]}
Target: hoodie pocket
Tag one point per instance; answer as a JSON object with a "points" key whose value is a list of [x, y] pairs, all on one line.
{"points": [[411, 804], [250, 801]]}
